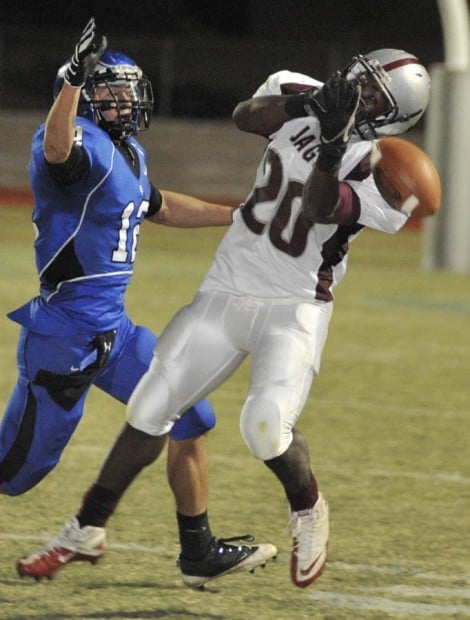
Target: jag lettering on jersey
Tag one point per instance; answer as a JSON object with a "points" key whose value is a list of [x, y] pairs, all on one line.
{"points": [[303, 143]]}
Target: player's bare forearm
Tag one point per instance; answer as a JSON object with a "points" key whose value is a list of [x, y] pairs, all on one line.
{"points": [[262, 115], [60, 128], [320, 198], [183, 211]]}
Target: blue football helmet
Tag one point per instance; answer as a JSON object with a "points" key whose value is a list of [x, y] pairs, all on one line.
{"points": [[114, 73]]}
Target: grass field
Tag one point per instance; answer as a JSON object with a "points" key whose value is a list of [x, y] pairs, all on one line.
{"points": [[388, 426]]}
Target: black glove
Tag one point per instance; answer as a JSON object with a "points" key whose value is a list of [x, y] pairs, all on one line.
{"points": [[335, 106], [300, 105], [87, 53]]}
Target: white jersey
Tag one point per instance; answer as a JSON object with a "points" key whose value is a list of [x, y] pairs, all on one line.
{"points": [[270, 250]]}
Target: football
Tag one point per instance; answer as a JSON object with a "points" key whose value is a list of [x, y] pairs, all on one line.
{"points": [[406, 177]]}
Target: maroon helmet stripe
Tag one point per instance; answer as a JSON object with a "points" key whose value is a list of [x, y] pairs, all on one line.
{"points": [[292, 88], [399, 63]]}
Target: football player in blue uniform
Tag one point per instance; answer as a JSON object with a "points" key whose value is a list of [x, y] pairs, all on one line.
{"points": [[91, 194]]}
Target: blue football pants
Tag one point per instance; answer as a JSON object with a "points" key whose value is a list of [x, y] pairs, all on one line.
{"points": [[54, 377]]}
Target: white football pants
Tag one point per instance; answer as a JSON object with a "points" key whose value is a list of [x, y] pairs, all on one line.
{"points": [[205, 343]]}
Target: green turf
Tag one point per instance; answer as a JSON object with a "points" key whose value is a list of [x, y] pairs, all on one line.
{"points": [[387, 421]]}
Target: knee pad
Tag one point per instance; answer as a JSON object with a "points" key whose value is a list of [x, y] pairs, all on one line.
{"points": [[194, 422], [261, 427]]}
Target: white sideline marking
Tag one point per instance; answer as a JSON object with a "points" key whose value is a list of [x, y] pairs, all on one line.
{"points": [[396, 570], [400, 608], [415, 304], [390, 408], [416, 475], [414, 573], [130, 547], [413, 591], [159, 549], [378, 603]]}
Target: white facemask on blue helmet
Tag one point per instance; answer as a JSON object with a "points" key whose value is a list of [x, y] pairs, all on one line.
{"points": [[113, 71]]}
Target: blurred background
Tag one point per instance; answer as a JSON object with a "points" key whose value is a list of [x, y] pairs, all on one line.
{"points": [[201, 55]]}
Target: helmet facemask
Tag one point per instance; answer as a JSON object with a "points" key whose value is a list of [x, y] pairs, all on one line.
{"points": [[363, 70], [125, 90]]}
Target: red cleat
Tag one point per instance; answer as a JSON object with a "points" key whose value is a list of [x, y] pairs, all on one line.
{"points": [[73, 544]]}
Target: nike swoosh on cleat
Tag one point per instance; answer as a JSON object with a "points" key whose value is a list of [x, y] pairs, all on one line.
{"points": [[309, 569]]}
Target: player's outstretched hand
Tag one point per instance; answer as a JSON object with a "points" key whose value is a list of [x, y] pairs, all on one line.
{"points": [[335, 106], [87, 53]]}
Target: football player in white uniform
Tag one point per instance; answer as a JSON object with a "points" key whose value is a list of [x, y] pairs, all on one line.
{"points": [[269, 291]]}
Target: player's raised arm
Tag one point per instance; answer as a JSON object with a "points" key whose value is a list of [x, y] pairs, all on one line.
{"points": [[335, 107], [261, 115], [266, 114], [181, 210], [60, 129]]}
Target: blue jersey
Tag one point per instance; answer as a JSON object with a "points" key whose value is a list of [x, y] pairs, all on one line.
{"points": [[86, 236], [76, 333]]}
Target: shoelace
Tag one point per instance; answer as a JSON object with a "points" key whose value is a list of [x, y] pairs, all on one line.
{"points": [[223, 542], [309, 527], [312, 524], [58, 542], [293, 527], [68, 538]]}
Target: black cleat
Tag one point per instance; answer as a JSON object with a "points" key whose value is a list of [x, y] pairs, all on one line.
{"points": [[224, 558]]}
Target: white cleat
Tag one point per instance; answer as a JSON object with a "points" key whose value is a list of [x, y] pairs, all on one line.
{"points": [[310, 532], [73, 544]]}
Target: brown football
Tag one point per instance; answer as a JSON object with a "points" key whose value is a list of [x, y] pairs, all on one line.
{"points": [[406, 177]]}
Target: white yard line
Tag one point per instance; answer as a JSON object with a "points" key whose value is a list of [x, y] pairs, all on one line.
{"points": [[394, 600], [358, 602], [387, 407], [443, 477], [415, 591], [128, 547], [399, 571], [414, 573]]}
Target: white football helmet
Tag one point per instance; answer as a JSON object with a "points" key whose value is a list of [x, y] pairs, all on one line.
{"points": [[405, 83]]}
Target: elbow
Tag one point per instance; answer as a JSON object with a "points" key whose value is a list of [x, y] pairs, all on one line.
{"points": [[237, 117], [54, 155], [240, 116]]}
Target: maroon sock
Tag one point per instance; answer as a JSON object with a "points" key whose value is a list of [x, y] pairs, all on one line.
{"points": [[305, 498], [97, 506]]}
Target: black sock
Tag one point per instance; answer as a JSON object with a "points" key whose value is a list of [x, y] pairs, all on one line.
{"points": [[304, 499], [97, 506], [195, 535]]}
